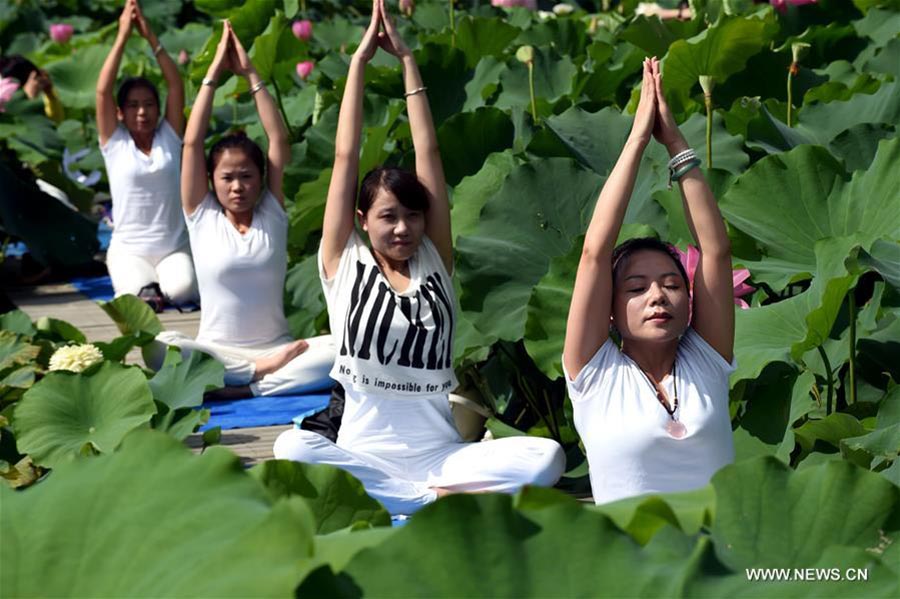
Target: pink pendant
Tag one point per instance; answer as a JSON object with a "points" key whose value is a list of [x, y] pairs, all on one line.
{"points": [[676, 429]]}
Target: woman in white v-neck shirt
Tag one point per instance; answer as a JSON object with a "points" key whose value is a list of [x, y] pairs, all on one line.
{"points": [[238, 233], [653, 414], [143, 163], [392, 311]]}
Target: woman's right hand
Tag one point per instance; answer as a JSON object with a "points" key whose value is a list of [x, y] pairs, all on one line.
{"points": [[369, 43], [126, 19], [645, 115], [222, 59]]}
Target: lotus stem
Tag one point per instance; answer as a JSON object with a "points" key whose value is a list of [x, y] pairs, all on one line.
{"points": [[707, 99], [830, 381], [452, 25], [790, 94], [303, 7], [851, 305], [534, 113], [287, 123]]}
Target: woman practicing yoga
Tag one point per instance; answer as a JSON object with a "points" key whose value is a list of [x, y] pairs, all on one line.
{"points": [[392, 311], [653, 415], [149, 243], [238, 232]]}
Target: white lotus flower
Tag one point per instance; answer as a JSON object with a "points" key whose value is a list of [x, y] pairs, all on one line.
{"points": [[75, 358], [563, 9]]}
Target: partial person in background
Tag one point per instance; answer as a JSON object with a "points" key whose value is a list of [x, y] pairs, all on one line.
{"points": [[148, 254], [392, 303], [653, 414], [233, 203], [34, 82]]}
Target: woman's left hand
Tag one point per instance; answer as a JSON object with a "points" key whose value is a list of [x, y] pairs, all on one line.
{"points": [[141, 23], [240, 61], [665, 129], [389, 39]]}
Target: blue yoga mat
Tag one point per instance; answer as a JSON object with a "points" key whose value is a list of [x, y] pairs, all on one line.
{"points": [[263, 411], [95, 288]]}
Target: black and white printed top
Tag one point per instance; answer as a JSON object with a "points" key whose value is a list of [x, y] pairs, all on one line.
{"points": [[391, 343]]}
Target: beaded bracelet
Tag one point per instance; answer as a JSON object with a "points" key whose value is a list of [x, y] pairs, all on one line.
{"points": [[683, 170]]}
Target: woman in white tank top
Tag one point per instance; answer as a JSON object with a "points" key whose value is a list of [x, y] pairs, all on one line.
{"points": [[653, 414], [238, 233], [143, 162], [392, 311]]}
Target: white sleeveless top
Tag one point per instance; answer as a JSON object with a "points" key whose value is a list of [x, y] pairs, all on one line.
{"points": [[146, 193], [241, 277], [622, 423], [397, 344]]}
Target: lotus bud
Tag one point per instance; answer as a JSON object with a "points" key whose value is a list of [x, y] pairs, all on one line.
{"points": [[707, 83], [61, 33], [407, 7], [183, 57], [305, 68], [525, 54], [529, 4], [75, 358], [592, 26], [798, 49], [563, 9], [302, 29]]}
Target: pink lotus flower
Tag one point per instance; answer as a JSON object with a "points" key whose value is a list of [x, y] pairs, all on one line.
{"points": [[691, 258], [183, 57], [305, 68], [782, 5], [529, 4], [8, 87], [302, 29], [61, 33]]}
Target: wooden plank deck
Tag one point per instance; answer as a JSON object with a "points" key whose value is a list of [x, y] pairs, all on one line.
{"points": [[64, 302]]}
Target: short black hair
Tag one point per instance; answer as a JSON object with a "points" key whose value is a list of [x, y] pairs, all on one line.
{"points": [[626, 248], [16, 66], [132, 83], [404, 184], [236, 141]]}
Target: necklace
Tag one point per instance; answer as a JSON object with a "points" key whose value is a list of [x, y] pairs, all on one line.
{"points": [[674, 428]]}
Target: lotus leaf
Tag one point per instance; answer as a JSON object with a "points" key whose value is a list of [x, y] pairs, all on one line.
{"points": [[467, 138], [480, 38], [552, 80], [132, 316], [17, 322], [823, 122], [75, 77], [471, 194], [181, 383], [15, 350], [153, 520], [304, 302], [67, 413]]}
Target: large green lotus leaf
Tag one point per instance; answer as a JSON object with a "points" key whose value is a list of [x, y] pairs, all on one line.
{"points": [[467, 138], [306, 212], [822, 122], [479, 38], [857, 145], [444, 73], [181, 383], [190, 38], [605, 84], [499, 264], [132, 316], [75, 77], [58, 330], [887, 60], [66, 414], [17, 321], [553, 78], [558, 549], [830, 430], [153, 520], [768, 515], [764, 427], [336, 32], [304, 302], [879, 446], [879, 25], [484, 82], [336, 499], [16, 350], [471, 194], [808, 199], [566, 36], [276, 44], [655, 36], [884, 256], [717, 52]]}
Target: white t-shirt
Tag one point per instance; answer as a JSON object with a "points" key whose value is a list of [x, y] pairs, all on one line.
{"points": [[241, 277], [392, 343], [623, 425], [146, 193]]}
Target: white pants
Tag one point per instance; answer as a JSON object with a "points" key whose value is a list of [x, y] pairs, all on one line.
{"points": [[307, 372], [400, 463], [174, 273]]}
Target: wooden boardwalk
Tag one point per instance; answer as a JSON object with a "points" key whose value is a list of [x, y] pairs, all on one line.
{"points": [[64, 302]]}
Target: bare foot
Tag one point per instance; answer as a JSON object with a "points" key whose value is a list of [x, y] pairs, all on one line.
{"points": [[270, 364]]}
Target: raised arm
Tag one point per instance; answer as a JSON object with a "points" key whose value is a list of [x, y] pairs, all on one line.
{"points": [[174, 84], [279, 144], [107, 119], [587, 327], [429, 168], [340, 207], [194, 180], [713, 304]]}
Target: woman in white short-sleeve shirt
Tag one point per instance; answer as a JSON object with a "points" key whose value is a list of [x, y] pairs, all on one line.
{"points": [[238, 231], [149, 242], [653, 414], [391, 306]]}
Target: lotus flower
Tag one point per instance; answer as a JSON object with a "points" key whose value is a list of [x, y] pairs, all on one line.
{"points": [[782, 5], [75, 358], [61, 32], [529, 4], [691, 258], [563, 9], [305, 68], [407, 7], [8, 87], [183, 57], [302, 29]]}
